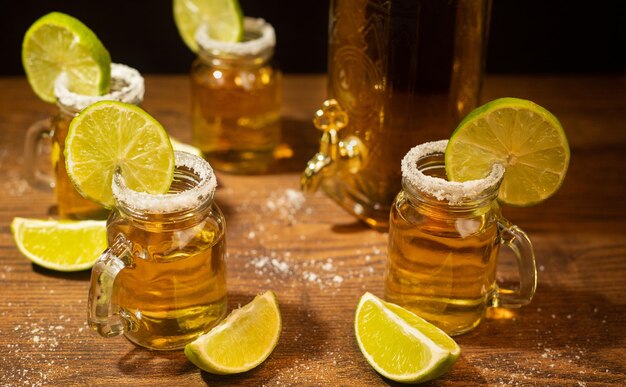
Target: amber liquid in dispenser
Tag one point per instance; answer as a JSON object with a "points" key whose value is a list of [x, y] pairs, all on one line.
{"points": [[178, 280], [406, 72]]}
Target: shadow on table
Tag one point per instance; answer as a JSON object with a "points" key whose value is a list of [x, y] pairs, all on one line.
{"points": [[350, 228], [576, 323], [83, 275], [462, 374], [143, 362], [300, 141]]}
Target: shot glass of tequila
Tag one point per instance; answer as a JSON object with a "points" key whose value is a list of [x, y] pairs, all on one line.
{"points": [[236, 100], [127, 86], [162, 281], [444, 240]]}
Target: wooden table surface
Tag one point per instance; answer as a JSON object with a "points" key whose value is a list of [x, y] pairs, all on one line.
{"points": [[319, 260]]}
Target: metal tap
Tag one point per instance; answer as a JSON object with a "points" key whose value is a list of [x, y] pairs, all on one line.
{"points": [[330, 119]]}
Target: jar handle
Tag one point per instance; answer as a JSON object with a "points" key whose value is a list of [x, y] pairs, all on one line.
{"points": [[105, 316], [519, 242], [34, 135]]}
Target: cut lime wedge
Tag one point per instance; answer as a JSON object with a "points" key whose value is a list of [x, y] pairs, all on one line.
{"points": [[519, 134], [109, 135], [60, 44], [223, 18], [242, 341], [400, 345], [60, 245]]}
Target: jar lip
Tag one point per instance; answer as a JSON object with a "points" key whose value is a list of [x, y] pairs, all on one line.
{"points": [[259, 36], [455, 193], [127, 85], [170, 202]]}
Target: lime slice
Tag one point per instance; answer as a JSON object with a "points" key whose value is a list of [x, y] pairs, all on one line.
{"points": [[60, 44], [60, 245], [109, 135], [400, 345], [519, 134], [223, 19], [242, 341]]}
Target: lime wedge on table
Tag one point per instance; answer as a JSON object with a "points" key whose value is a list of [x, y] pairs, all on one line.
{"points": [[223, 19], [60, 245], [58, 43], [109, 135], [522, 136], [242, 341], [400, 345]]}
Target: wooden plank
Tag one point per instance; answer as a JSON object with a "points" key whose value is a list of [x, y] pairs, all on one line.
{"points": [[319, 260]]}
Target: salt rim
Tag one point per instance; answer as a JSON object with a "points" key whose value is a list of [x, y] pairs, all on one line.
{"points": [[452, 191], [248, 47], [127, 85], [170, 202]]}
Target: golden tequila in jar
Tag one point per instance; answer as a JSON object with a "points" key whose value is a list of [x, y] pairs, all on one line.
{"points": [[236, 100], [404, 71], [127, 86], [162, 281], [444, 240]]}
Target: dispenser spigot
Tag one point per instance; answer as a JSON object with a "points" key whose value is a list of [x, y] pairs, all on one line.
{"points": [[330, 119]]}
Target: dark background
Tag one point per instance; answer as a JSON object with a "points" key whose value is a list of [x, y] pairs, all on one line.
{"points": [[526, 36]]}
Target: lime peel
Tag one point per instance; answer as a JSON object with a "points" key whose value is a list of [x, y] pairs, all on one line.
{"points": [[58, 44], [416, 351], [242, 341], [222, 18], [64, 245], [109, 135], [524, 137]]}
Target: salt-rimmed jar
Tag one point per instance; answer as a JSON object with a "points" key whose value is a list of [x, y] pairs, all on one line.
{"points": [[236, 99], [127, 85], [162, 280], [443, 247]]}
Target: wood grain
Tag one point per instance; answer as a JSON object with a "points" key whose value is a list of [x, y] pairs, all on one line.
{"points": [[319, 260]]}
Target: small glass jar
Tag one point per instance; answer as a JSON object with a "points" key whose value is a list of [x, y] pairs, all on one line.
{"points": [[127, 86], [162, 281], [444, 240], [236, 100]]}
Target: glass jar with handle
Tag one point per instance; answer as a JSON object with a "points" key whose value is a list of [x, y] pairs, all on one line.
{"points": [[162, 281], [444, 241]]}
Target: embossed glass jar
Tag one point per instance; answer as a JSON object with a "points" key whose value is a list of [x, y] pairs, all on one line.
{"points": [[405, 72]]}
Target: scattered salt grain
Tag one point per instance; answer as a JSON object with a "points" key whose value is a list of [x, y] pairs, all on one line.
{"points": [[311, 277], [286, 204], [282, 267]]}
